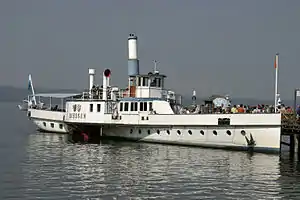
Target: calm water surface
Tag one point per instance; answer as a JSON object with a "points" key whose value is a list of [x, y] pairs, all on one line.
{"points": [[47, 166]]}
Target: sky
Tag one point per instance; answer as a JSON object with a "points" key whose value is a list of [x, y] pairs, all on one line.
{"points": [[212, 46]]}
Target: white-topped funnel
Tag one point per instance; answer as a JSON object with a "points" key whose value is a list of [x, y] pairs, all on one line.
{"points": [[133, 61], [92, 80]]}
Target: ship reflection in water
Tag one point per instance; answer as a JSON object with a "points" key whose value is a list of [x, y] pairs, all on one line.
{"points": [[57, 168]]}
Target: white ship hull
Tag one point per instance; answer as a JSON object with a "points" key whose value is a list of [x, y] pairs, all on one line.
{"points": [[258, 132], [48, 121], [50, 126], [267, 139]]}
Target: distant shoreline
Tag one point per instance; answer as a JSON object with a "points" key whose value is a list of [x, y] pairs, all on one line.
{"points": [[13, 94]]}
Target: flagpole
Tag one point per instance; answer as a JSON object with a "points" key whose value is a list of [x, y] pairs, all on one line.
{"points": [[276, 81], [32, 89]]}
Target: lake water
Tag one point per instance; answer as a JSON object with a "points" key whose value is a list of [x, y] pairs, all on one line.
{"points": [[47, 166]]}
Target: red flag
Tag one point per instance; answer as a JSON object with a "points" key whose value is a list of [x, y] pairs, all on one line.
{"points": [[276, 61]]}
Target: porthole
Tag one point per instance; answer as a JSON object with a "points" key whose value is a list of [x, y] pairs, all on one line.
{"points": [[52, 125], [178, 131], [190, 132], [243, 132], [168, 132], [202, 132], [140, 131], [215, 132], [157, 132], [228, 132], [149, 132], [142, 118], [131, 131], [44, 123], [60, 126]]}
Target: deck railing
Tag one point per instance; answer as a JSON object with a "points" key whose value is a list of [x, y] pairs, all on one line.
{"points": [[98, 95]]}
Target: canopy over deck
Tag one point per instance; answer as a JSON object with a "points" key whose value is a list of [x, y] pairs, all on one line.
{"points": [[140, 99], [57, 95]]}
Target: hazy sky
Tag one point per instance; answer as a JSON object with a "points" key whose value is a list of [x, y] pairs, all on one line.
{"points": [[225, 47]]}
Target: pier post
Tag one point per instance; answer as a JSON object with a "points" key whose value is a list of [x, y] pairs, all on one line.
{"points": [[296, 143], [101, 131], [292, 145], [296, 93]]}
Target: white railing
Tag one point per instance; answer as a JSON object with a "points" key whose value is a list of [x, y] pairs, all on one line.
{"points": [[115, 95]]}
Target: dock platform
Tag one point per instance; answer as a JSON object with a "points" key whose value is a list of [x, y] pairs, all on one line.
{"points": [[290, 127]]}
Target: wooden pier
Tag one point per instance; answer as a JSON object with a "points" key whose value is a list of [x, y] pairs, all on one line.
{"points": [[290, 127]]}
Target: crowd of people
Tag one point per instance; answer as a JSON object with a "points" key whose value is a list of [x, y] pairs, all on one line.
{"points": [[261, 108]]}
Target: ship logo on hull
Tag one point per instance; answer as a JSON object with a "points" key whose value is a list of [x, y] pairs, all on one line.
{"points": [[76, 107]]}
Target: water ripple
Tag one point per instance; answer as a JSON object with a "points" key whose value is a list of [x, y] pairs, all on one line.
{"points": [[54, 168]]}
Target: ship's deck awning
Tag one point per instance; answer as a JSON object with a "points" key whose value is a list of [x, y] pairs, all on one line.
{"points": [[140, 99], [56, 95]]}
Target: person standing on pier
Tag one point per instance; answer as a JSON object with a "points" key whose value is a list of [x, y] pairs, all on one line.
{"points": [[298, 111]]}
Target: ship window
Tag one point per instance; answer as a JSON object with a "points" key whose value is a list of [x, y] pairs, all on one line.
{"points": [[202, 132], [215, 132], [149, 132], [145, 81], [152, 84], [141, 106], [131, 131], [126, 106], [91, 107], [145, 106], [158, 82], [140, 131], [44, 123], [132, 106], [243, 132], [60, 126], [135, 106], [228, 132], [98, 107], [190, 132], [139, 81], [178, 131], [157, 131], [52, 125], [121, 106], [168, 132], [150, 106]]}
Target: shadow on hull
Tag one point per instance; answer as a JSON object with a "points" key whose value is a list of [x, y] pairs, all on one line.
{"points": [[97, 139], [44, 131]]}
